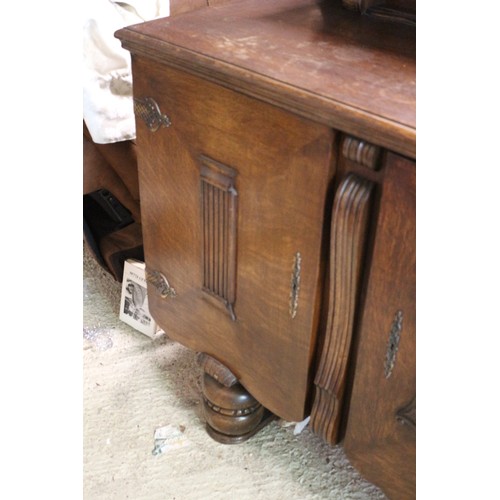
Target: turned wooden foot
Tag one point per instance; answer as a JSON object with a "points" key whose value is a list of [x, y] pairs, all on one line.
{"points": [[232, 414]]}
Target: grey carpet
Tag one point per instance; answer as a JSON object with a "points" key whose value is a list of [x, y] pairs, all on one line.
{"points": [[134, 385]]}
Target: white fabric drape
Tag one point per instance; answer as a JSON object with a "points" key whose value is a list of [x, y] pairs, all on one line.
{"points": [[107, 76]]}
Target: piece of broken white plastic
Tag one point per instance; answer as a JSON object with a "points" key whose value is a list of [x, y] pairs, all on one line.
{"points": [[167, 438], [300, 426]]}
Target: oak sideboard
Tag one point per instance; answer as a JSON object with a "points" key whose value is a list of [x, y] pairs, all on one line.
{"points": [[277, 167]]}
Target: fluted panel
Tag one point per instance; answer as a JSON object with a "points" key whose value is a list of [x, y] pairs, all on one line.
{"points": [[349, 225], [219, 220]]}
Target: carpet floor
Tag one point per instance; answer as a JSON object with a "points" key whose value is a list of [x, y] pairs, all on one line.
{"points": [[134, 385]]}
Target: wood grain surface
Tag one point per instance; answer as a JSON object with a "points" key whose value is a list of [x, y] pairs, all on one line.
{"points": [[315, 59]]}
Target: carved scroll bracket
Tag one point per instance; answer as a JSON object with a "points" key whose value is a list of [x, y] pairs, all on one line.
{"points": [[349, 226], [361, 152]]}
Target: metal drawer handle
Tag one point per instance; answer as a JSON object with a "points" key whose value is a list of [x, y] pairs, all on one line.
{"points": [[147, 109]]}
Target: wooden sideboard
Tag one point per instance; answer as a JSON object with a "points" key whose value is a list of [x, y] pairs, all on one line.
{"points": [[276, 151]]}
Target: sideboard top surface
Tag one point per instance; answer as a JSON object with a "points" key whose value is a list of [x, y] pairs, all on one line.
{"points": [[314, 58]]}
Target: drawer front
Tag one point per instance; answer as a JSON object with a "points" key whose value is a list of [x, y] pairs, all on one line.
{"points": [[232, 198], [381, 425]]}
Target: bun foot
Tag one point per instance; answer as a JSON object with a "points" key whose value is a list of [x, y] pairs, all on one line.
{"points": [[232, 414]]}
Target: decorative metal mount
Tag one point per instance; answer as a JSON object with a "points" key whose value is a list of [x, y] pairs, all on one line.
{"points": [[295, 285], [161, 283], [147, 109], [393, 344]]}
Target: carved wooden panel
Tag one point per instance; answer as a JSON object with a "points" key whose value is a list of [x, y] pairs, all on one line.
{"points": [[349, 224], [219, 217]]}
